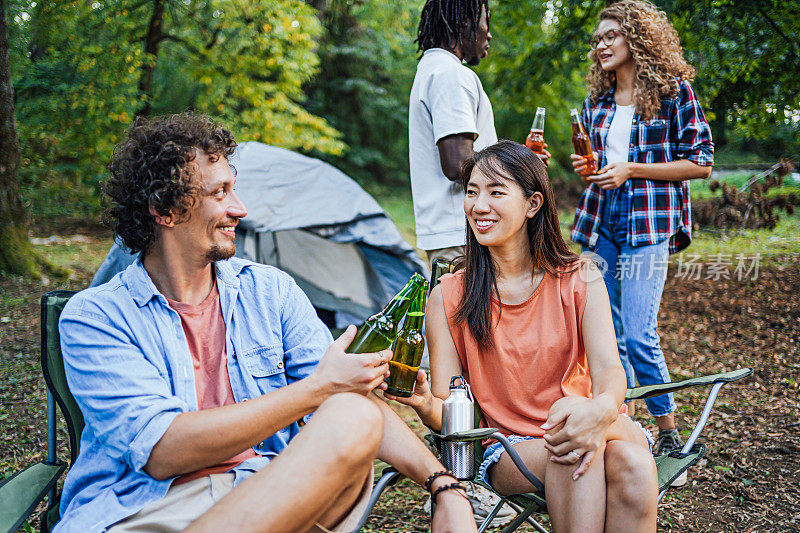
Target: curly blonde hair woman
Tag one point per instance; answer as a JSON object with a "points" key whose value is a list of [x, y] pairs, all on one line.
{"points": [[656, 51], [651, 137]]}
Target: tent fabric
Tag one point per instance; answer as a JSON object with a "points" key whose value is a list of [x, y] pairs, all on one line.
{"points": [[311, 220], [296, 182]]}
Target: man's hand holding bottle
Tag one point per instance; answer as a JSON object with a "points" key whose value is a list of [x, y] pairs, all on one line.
{"points": [[347, 372]]}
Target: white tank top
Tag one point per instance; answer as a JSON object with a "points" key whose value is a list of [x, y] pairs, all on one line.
{"points": [[619, 134]]}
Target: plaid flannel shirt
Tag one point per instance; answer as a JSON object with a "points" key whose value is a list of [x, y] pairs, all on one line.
{"points": [[659, 209]]}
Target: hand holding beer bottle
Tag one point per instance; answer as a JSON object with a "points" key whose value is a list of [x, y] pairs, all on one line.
{"points": [[584, 160], [407, 349], [535, 140], [338, 371]]}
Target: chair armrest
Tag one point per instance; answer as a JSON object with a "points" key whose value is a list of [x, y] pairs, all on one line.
{"points": [[485, 433], [648, 391], [22, 492]]}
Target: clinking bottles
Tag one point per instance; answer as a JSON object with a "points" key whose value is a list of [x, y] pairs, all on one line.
{"points": [[582, 144], [408, 348], [535, 139], [379, 330]]}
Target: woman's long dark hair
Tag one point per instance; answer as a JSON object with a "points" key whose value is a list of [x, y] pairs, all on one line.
{"points": [[512, 161]]}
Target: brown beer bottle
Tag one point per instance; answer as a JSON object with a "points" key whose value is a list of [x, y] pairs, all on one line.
{"points": [[582, 144], [535, 139], [407, 349]]}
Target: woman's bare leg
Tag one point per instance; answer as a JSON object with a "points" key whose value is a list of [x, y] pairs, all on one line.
{"points": [[577, 505], [631, 480], [573, 505], [619, 492]]}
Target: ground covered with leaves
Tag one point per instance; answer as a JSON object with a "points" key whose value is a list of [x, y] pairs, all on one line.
{"points": [[748, 481]]}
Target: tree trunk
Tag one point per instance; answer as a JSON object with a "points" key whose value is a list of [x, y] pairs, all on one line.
{"points": [[155, 32], [16, 254]]}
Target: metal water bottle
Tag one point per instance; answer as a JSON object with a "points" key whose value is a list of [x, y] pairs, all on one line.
{"points": [[458, 415]]}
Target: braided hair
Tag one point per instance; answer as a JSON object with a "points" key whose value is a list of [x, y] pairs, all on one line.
{"points": [[445, 21]]}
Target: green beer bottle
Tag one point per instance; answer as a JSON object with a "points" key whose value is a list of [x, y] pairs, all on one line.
{"points": [[379, 330], [408, 348]]}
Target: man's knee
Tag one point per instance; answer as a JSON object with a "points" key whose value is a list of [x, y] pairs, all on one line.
{"points": [[356, 423], [631, 476]]}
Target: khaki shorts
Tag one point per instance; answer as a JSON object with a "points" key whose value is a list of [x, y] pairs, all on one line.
{"points": [[185, 503]]}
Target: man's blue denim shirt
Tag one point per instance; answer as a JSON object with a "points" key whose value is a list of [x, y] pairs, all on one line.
{"points": [[130, 370]]}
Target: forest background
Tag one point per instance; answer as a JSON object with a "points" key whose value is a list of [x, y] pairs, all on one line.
{"points": [[331, 78]]}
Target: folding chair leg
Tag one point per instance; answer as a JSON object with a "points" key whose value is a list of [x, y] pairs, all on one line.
{"points": [[701, 424], [490, 517], [519, 509], [51, 442], [387, 479], [524, 516], [698, 428]]}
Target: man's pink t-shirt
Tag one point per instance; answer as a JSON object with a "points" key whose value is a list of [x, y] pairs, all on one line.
{"points": [[204, 328]]}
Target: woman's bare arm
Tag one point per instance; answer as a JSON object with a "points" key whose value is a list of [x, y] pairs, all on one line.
{"points": [[444, 357], [600, 342], [577, 424]]}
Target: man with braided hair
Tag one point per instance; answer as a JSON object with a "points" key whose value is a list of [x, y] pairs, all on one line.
{"points": [[450, 116]]}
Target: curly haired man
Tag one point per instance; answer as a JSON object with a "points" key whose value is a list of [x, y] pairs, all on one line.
{"points": [[195, 370]]}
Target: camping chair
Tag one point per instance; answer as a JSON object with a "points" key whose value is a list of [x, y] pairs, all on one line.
{"points": [[21, 493], [669, 466]]}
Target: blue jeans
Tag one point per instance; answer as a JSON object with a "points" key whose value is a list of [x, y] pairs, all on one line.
{"points": [[635, 278]]}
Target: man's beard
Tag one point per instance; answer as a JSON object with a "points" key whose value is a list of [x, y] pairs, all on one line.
{"points": [[473, 61], [219, 253]]}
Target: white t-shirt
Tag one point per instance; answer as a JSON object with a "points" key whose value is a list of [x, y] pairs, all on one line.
{"points": [[618, 139], [446, 98]]}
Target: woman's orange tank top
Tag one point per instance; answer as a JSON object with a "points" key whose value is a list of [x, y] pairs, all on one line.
{"points": [[538, 354]]}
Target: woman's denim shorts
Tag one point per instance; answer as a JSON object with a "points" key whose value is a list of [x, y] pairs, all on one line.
{"points": [[493, 452]]}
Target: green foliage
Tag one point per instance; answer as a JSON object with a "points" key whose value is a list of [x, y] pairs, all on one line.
{"points": [[747, 56], [332, 78], [250, 61], [78, 68], [778, 242], [368, 64], [76, 91], [538, 59]]}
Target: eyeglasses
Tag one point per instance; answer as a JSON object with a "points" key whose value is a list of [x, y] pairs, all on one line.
{"points": [[607, 38]]}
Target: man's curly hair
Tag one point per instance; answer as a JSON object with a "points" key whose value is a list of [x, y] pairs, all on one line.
{"points": [[151, 168], [657, 56]]}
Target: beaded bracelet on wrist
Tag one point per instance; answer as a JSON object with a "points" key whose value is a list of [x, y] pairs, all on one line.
{"points": [[432, 478], [451, 486]]}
